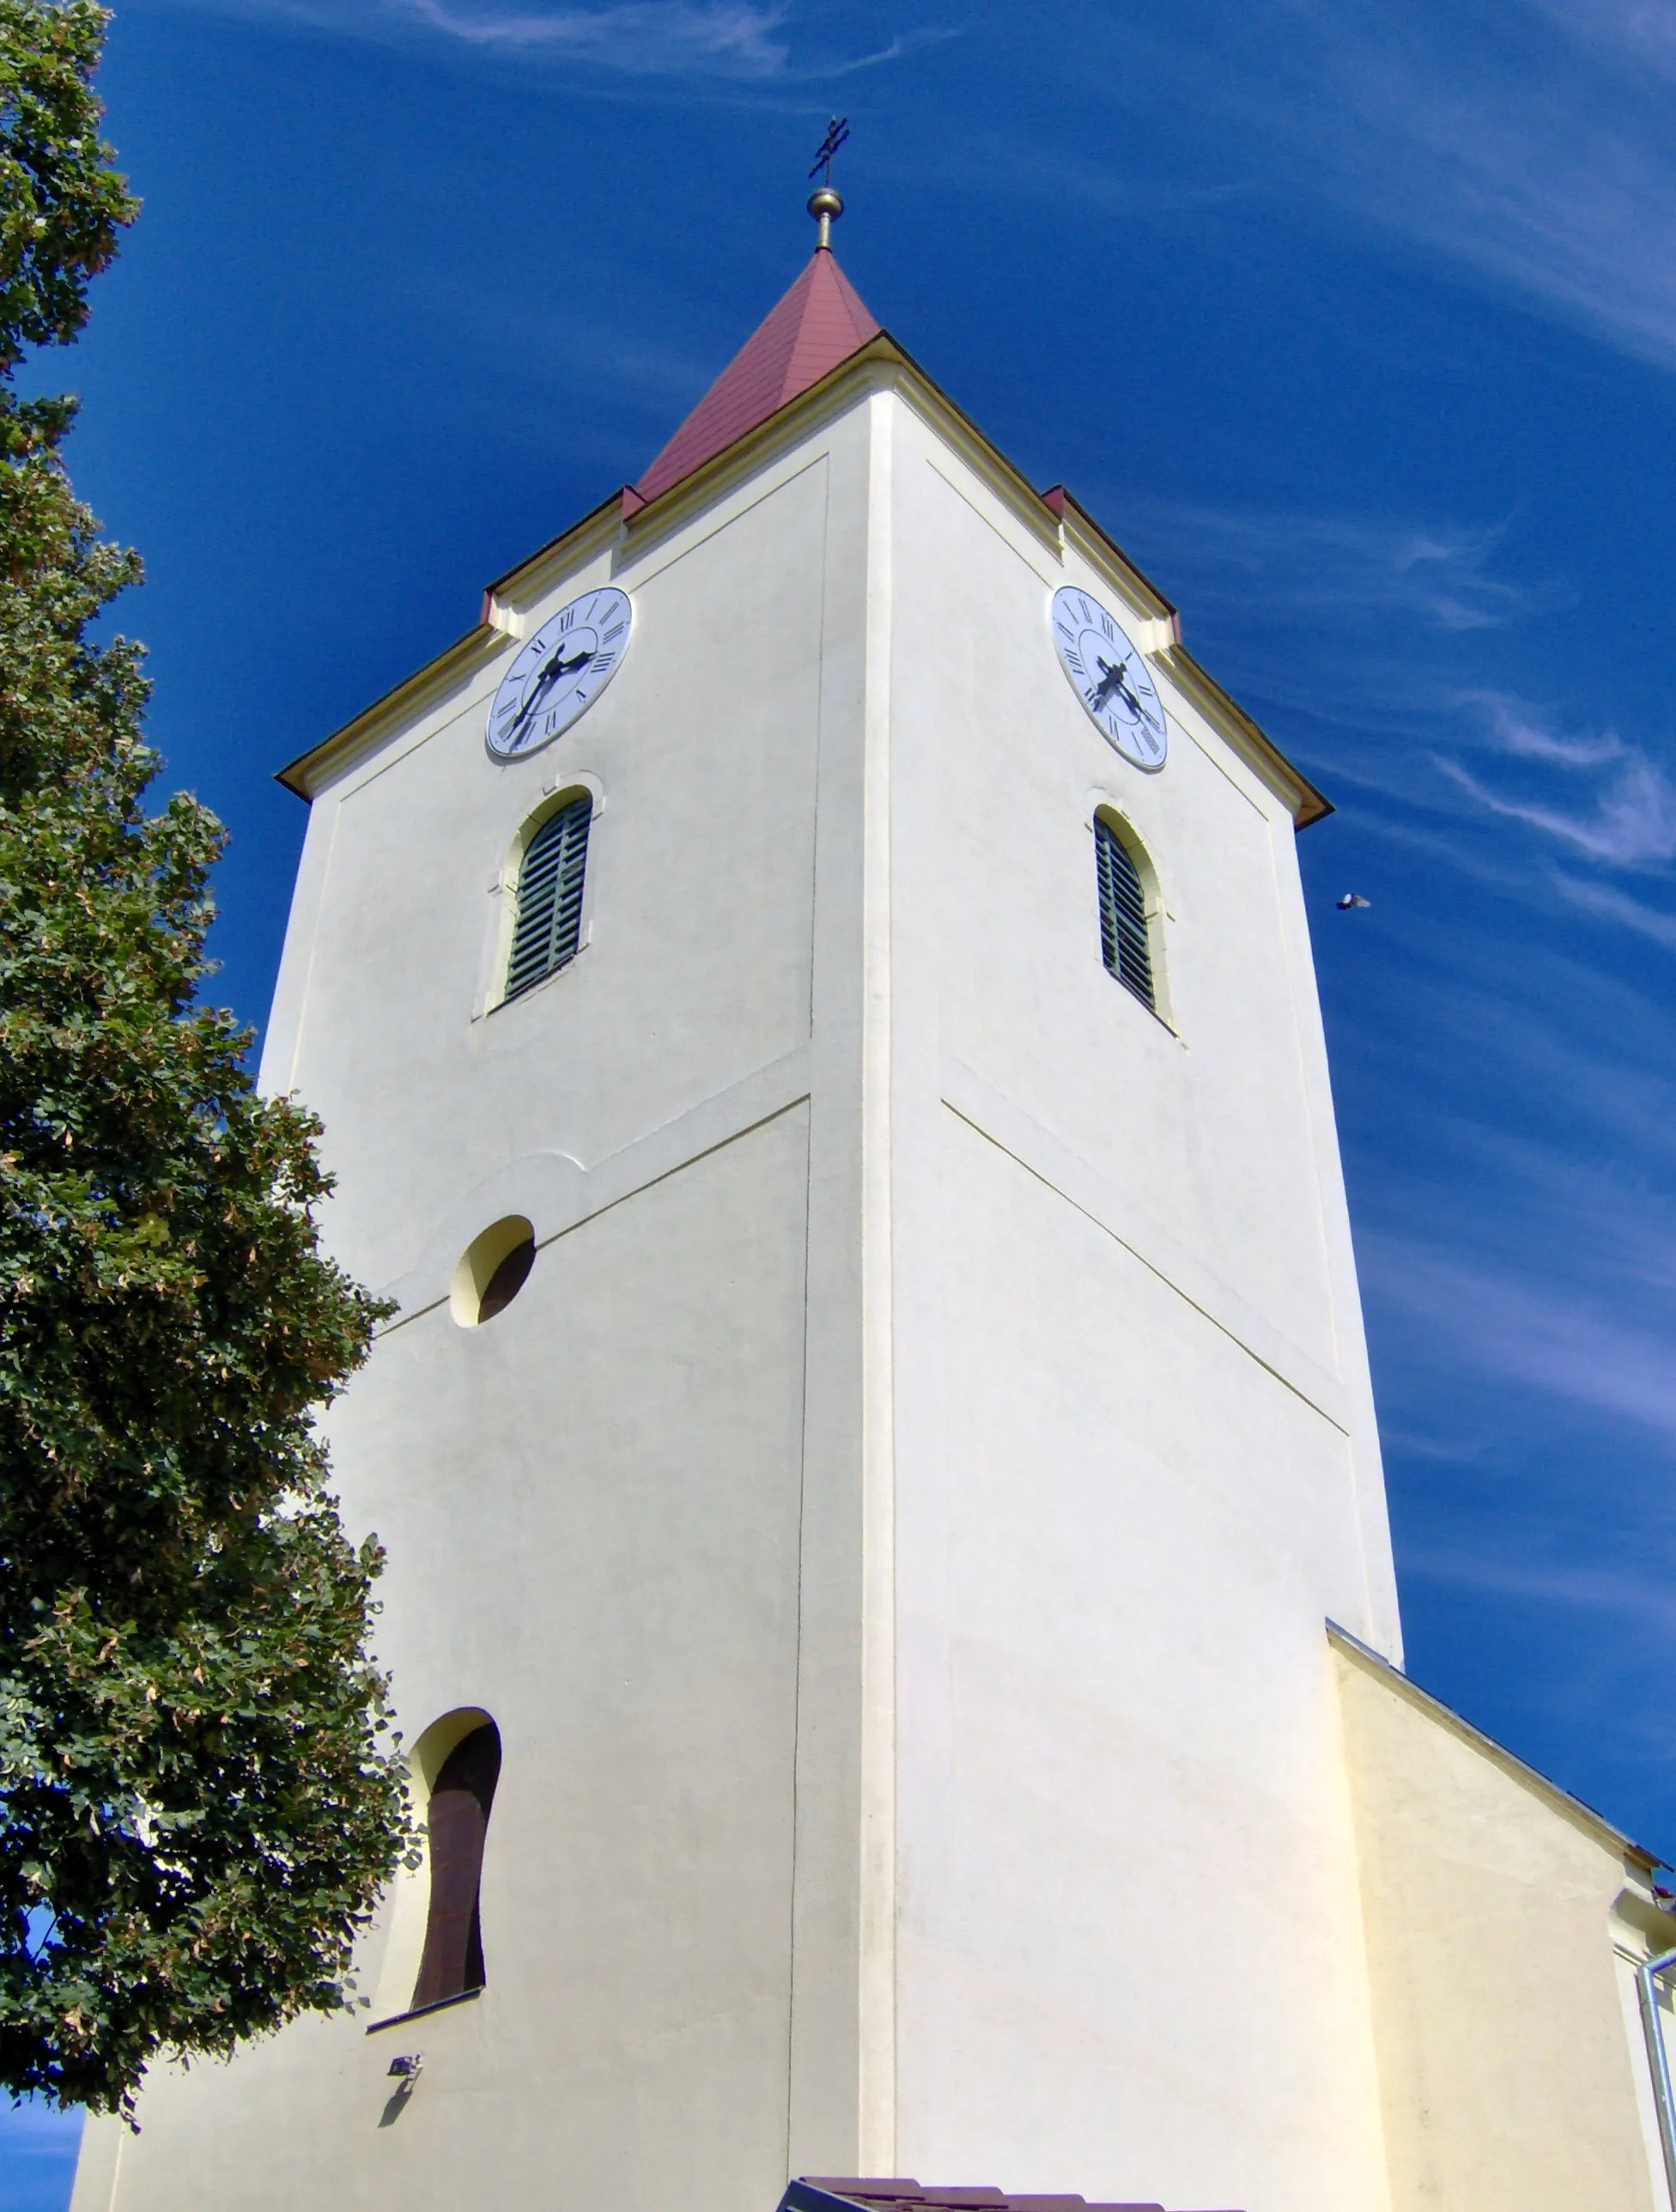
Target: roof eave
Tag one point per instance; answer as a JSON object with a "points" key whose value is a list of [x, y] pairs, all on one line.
{"points": [[304, 775], [1249, 737], [1056, 515], [1534, 1779]]}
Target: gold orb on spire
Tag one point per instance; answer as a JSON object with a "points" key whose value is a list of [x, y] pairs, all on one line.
{"points": [[826, 205]]}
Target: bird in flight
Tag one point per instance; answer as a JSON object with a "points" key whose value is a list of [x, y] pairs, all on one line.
{"points": [[1351, 899]]}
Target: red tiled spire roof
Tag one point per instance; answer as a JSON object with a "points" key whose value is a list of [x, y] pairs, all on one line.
{"points": [[820, 322]]}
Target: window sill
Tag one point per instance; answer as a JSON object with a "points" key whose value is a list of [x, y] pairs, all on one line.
{"points": [[542, 982], [423, 2012]]}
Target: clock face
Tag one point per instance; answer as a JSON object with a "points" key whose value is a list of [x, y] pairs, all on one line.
{"points": [[1111, 679], [559, 672]]}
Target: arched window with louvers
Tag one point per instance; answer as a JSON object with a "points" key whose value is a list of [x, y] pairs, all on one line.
{"points": [[547, 927], [1129, 936]]}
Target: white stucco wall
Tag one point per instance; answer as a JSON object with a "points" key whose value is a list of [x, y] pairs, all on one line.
{"points": [[1130, 1396], [699, 896], [893, 1526]]}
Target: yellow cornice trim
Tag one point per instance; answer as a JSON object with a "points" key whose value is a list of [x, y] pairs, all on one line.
{"points": [[309, 770], [1067, 523], [1253, 743], [305, 774], [522, 582]]}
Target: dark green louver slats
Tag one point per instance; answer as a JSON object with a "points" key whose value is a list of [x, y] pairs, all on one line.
{"points": [[1123, 936], [549, 897]]}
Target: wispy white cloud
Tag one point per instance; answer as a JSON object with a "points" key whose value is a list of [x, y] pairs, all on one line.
{"points": [[577, 349], [1570, 207], [989, 162], [735, 43], [1518, 729], [894, 50], [1574, 1131], [1631, 824], [1618, 906], [1547, 1340], [1538, 155], [1365, 621], [1593, 1588], [1544, 173], [646, 37], [1643, 34], [1630, 821], [1373, 628], [1339, 568]]}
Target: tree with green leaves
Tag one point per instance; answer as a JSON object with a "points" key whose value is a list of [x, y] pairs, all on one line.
{"points": [[199, 1795]]}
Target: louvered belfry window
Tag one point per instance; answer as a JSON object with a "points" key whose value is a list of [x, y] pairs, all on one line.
{"points": [[1125, 940], [549, 897]]}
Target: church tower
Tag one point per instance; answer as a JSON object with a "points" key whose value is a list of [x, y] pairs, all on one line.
{"points": [[812, 1011]]}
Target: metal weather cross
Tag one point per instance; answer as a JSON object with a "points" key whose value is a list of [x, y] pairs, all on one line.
{"points": [[836, 132]]}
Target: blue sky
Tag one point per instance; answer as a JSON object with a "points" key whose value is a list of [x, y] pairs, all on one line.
{"points": [[1355, 325]]}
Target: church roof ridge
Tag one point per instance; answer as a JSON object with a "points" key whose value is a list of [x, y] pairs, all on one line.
{"points": [[813, 327]]}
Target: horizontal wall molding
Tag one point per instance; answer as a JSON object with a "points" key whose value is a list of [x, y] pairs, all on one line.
{"points": [[1052, 1162], [555, 1193]]}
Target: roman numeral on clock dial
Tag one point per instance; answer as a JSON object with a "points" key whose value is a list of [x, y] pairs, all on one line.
{"points": [[1111, 677], [560, 671]]}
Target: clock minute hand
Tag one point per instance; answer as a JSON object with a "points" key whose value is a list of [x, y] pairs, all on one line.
{"points": [[1117, 679], [1111, 679], [536, 693], [543, 684]]}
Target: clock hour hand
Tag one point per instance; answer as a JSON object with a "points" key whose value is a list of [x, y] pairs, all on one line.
{"points": [[533, 698], [543, 684], [1112, 681]]}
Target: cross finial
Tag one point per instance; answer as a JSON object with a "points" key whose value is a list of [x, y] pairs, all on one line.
{"points": [[825, 204], [836, 132]]}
